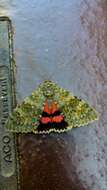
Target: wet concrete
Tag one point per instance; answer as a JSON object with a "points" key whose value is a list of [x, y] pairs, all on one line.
{"points": [[64, 41]]}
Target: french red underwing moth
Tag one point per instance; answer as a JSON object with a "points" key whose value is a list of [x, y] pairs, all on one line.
{"points": [[50, 108]]}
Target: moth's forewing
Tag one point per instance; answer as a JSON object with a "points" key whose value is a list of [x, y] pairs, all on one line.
{"points": [[78, 112], [25, 116]]}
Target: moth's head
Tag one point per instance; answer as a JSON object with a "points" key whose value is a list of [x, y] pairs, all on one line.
{"points": [[48, 88]]}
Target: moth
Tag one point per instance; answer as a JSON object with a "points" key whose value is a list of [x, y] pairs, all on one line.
{"points": [[50, 108]]}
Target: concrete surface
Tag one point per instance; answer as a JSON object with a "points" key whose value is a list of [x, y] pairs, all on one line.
{"points": [[65, 41]]}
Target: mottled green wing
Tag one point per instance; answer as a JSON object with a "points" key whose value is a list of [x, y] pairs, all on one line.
{"points": [[77, 112], [25, 116]]}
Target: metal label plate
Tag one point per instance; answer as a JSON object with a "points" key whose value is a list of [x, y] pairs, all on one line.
{"points": [[8, 150]]}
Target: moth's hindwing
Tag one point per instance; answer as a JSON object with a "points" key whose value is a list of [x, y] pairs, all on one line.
{"points": [[26, 116]]}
